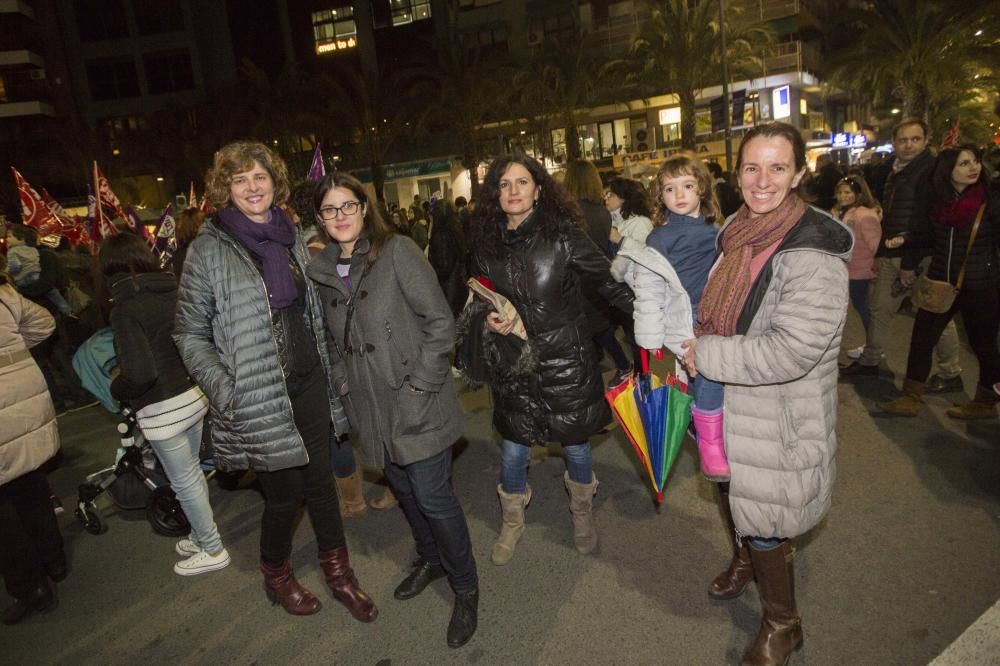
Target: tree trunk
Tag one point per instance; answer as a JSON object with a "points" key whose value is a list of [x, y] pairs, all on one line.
{"points": [[572, 141], [688, 125], [916, 101]]}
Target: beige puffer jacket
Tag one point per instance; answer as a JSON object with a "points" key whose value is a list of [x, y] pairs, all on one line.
{"points": [[780, 372], [28, 432]]}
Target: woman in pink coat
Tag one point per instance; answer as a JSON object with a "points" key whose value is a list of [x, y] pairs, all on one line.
{"points": [[857, 208], [31, 547]]}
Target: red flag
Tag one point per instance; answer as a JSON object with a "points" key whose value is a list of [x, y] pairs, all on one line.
{"points": [[192, 197], [205, 205], [34, 210], [951, 136], [105, 195], [102, 225]]}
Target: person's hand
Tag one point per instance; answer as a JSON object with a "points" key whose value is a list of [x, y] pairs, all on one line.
{"points": [[614, 236], [907, 278], [688, 358], [894, 242], [497, 324]]}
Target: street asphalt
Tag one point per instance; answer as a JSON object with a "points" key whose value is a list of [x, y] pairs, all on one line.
{"points": [[907, 559]]}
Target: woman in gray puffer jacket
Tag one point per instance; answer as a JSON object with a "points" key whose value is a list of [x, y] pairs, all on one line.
{"points": [[249, 328], [769, 328]]}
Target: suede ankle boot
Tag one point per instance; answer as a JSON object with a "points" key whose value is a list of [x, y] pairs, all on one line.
{"points": [[983, 406], [352, 499], [282, 588], [581, 505], [344, 586], [909, 403], [732, 582], [781, 627], [711, 446], [512, 506]]}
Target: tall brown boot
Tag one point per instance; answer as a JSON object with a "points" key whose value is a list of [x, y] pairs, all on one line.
{"points": [[344, 586], [909, 403], [781, 627], [732, 582], [352, 499], [282, 588], [983, 406], [581, 506], [512, 506]]}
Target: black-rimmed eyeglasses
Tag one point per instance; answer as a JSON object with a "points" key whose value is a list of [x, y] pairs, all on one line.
{"points": [[330, 212]]}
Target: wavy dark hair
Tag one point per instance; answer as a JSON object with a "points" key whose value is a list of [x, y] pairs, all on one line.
{"points": [[941, 185], [635, 198], [374, 228], [554, 210]]}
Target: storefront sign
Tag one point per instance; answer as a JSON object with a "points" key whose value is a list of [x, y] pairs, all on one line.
{"points": [[337, 45], [407, 170], [652, 156], [781, 102], [845, 140]]}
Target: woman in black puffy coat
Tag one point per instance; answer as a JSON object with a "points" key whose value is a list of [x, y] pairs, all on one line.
{"points": [[529, 244]]}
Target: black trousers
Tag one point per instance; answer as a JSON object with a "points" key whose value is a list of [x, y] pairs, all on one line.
{"points": [[435, 516], [29, 533], [981, 316], [285, 490]]}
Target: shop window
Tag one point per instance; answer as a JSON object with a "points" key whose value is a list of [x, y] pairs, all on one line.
{"points": [[334, 29], [100, 19], [153, 18], [112, 79], [408, 11], [168, 71]]}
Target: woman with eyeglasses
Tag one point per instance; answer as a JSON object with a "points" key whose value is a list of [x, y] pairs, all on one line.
{"points": [[249, 327], [391, 332]]}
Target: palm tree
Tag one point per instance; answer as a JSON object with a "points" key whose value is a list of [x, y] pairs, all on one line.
{"points": [[919, 53], [678, 50]]}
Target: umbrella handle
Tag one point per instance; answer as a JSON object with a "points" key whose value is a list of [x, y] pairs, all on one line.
{"points": [[659, 354], [644, 360]]}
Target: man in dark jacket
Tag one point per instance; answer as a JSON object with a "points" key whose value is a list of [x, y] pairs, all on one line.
{"points": [[905, 206]]}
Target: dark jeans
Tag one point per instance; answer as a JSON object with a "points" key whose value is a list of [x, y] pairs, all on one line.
{"points": [[981, 316], [342, 456], [858, 291], [286, 489], [609, 343], [29, 533], [435, 516]]}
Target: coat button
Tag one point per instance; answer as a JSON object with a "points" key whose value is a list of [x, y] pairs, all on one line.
{"points": [[363, 294], [369, 347]]}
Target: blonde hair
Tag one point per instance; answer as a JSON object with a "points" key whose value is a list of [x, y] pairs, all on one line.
{"points": [[686, 164], [239, 157]]}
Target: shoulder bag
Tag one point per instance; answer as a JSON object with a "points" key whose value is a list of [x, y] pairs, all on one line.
{"points": [[938, 296]]}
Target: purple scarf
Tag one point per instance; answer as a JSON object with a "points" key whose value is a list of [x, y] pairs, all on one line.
{"points": [[270, 241]]}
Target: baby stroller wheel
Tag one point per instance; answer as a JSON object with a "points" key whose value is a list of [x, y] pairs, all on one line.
{"points": [[91, 519], [165, 514]]}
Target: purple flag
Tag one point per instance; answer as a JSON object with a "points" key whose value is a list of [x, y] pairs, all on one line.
{"points": [[317, 170]]}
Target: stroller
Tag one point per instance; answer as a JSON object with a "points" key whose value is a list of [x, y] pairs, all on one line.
{"points": [[135, 481]]}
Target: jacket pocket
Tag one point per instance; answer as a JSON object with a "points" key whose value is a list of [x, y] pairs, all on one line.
{"points": [[417, 412], [786, 425], [398, 369]]}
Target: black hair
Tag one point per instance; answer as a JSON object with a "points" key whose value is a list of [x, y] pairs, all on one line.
{"points": [[941, 185], [634, 196], [126, 253]]}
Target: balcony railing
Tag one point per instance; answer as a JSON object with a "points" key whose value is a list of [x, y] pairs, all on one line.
{"points": [[756, 11], [615, 35]]}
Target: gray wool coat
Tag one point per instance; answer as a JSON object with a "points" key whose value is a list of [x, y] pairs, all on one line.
{"points": [[223, 332], [780, 371], [393, 370]]}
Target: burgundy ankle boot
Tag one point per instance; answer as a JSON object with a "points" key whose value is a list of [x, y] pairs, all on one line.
{"points": [[282, 588], [344, 586]]}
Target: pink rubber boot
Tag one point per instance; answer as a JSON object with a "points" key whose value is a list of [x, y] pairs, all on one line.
{"points": [[711, 450]]}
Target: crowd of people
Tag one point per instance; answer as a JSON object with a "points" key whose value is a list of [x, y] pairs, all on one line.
{"points": [[291, 318]]}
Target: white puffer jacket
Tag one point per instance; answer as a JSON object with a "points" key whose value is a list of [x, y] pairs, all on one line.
{"points": [[780, 372], [662, 312]]}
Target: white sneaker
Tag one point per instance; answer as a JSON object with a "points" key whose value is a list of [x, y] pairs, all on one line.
{"points": [[855, 354], [202, 562], [456, 373], [186, 547]]}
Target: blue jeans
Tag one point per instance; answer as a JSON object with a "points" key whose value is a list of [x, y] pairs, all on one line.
{"points": [[436, 518], [341, 456], [514, 459], [708, 395], [179, 457], [760, 543], [858, 291]]}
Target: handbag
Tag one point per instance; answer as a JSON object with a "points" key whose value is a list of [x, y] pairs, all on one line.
{"points": [[938, 296]]}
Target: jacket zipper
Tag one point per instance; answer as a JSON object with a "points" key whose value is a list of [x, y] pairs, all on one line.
{"points": [[951, 248]]}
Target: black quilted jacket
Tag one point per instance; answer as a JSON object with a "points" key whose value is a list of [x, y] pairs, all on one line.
{"points": [[562, 398]]}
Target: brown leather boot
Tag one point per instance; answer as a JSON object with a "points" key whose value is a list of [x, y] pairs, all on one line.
{"points": [[352, 500], [909, 403], [781, 627], [732, 582], [282, 588], [983, 406], [344, 586]]}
